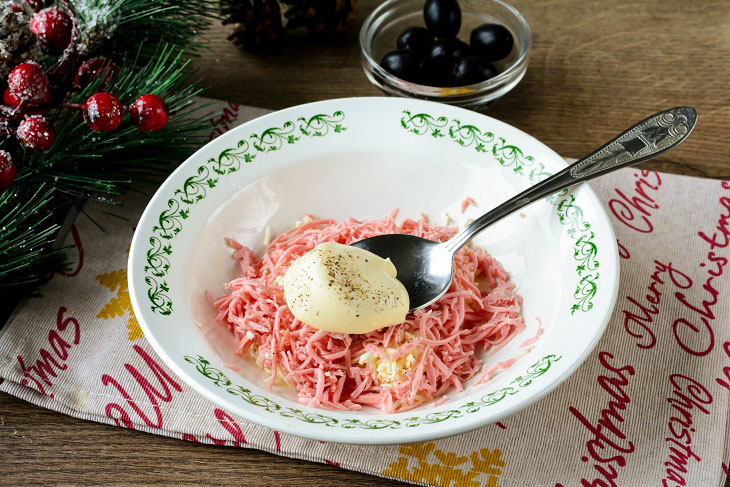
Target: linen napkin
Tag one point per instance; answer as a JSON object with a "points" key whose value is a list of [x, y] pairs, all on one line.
{"points": [[648, 407]]}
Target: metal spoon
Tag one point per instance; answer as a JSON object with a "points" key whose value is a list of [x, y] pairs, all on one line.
{"points": [[425, 267]]}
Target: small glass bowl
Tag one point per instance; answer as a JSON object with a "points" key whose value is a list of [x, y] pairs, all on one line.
{"points": [[381, 29]]}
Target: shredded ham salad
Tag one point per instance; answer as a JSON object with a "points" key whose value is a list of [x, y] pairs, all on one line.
{"points": [[393, 369]]}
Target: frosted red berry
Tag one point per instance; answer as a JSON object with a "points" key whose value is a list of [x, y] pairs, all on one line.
{"points": [[28, 82], [96, 68], [103, 112], [13, 102], [150, 113], [52, 26], [7, 170], [9, 99], [36, 133]]}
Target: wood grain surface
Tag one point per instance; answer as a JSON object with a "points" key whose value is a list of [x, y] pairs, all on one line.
{"points": [[596, 68]]}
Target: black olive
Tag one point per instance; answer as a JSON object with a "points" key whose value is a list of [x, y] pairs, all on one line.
{"points": [[431, 75], [438, 65], [472, 69], [459, 49], [418, 39], [403, 63], [492, 41], [443, 17], [447, 52]]}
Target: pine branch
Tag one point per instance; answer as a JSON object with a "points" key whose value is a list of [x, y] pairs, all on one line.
{"points": [[147, 39], [27, 231], [141, 24], [85, 164]]}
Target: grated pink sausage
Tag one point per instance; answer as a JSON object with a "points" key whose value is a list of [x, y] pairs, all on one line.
{"points": [[480, 311], [468, 201]]}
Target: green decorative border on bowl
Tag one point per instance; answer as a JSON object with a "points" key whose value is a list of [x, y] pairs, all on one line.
{"points": [[202, 365], [585, 251], [196, 188]]}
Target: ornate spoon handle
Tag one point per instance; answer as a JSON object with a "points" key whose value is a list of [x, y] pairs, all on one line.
{"points": [[647, 139]]}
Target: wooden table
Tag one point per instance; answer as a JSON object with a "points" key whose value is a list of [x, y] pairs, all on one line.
{"points": [[596, 68]]}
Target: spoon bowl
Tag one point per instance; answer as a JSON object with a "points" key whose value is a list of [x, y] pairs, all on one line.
{"points": [[424, 267]]}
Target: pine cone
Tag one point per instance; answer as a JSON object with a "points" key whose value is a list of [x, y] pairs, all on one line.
{"points": [[17, 42], [255, 23], [261, 23], [323, 18]]}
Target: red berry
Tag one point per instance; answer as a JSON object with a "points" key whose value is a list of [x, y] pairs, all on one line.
{"points": [[36, 133], [97, 68], [28, 82], [12, 101], [7, 170], [150, 113], [53, 28], [9, 99], [103, 112]]}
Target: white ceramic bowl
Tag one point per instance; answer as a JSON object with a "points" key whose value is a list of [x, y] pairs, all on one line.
{"points": [[363, 157]]}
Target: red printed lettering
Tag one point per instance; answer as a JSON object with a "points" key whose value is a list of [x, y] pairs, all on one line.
{"points": [[638, 322], [221, 124], [704, 333], [79, 250], [230, 425], [609, 444], [687, 395], [50, 364], [721, 238], [164, 393], [726, 369], [635, 211]]}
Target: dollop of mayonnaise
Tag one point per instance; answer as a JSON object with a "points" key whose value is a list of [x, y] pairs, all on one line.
{"points": [[344, 289]]}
